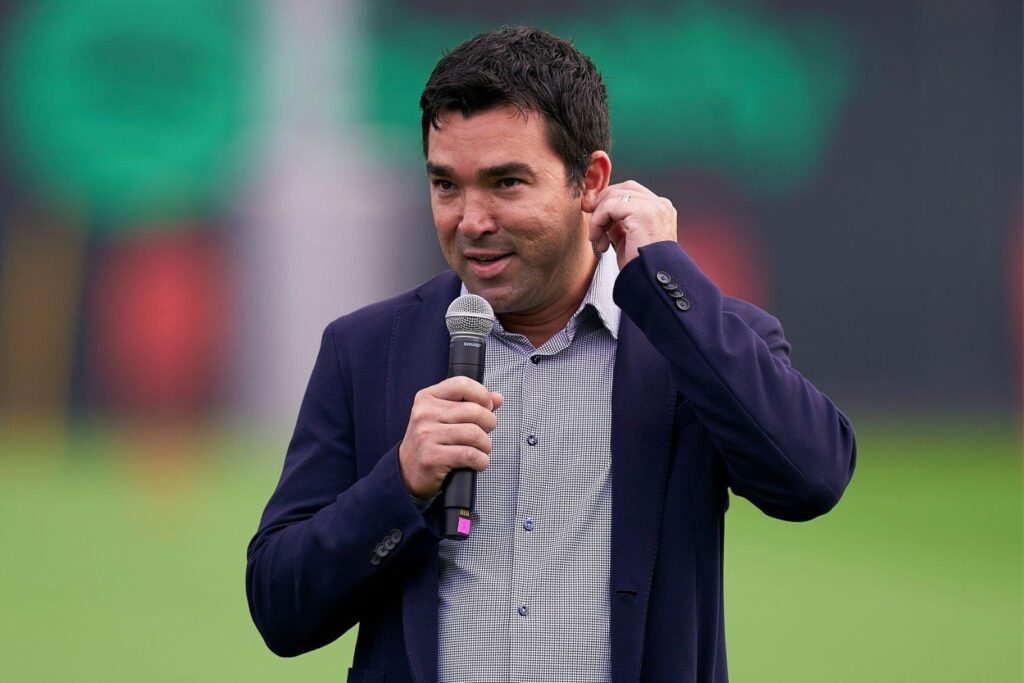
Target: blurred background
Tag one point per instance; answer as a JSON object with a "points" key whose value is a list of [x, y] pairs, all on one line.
{"points": [[191, 190]]}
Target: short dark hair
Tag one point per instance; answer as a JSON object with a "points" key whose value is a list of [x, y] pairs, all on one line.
{"points": [[533, 71]]}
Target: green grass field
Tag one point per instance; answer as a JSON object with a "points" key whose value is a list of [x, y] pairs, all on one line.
{"points": [[124, 556]]}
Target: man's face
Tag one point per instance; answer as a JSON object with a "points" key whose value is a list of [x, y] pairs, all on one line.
{"points": [[508, 222]]}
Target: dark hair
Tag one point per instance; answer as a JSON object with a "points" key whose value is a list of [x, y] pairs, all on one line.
{"points": [[533, 71]]}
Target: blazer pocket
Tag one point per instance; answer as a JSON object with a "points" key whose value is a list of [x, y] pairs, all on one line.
{"points": [[364, 676], [684, 415]]}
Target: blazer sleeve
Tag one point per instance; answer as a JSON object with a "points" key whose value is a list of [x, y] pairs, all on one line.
{"points": [[330, 540], [785, 446]]}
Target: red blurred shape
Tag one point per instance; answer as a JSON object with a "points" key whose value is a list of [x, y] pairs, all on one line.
{"points": [[727, 253], [160, 318]]}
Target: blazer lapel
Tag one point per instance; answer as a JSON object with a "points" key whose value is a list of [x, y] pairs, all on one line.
{"points": [[643, 402], [417, 358], [417, 351]]}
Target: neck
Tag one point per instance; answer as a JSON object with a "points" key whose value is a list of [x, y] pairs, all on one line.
{"points": [[541, 325]]}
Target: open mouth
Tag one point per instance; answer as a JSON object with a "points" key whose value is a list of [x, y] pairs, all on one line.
{"points": [[488, 266]]}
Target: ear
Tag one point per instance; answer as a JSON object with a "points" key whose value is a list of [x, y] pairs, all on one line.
{"points": [[596, 179]]}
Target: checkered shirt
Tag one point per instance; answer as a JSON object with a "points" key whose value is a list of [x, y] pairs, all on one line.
{"points": [[525, 597]]}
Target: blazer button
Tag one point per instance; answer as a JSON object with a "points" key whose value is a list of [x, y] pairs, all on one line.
{"points": [[663, 277], [396, 535], [381, 550], [676, 293], [670, 286], [683, 304], [374, 560]]}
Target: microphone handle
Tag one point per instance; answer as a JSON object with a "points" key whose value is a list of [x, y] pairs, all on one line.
{"points": [[466, 355]]}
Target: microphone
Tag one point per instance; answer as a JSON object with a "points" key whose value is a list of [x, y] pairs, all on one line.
{"points": [[469, 320]]}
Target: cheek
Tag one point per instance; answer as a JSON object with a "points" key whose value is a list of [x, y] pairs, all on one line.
{"points": [[445, 223], [446, 240], [561, 227]]}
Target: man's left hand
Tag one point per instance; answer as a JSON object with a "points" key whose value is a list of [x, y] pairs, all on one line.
{"points": [[629, 216]]}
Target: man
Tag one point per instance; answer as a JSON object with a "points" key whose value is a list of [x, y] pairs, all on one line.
{"points": [[624, 394]]}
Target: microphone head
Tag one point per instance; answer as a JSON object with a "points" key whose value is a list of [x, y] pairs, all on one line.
{"points": [[469, 314]]}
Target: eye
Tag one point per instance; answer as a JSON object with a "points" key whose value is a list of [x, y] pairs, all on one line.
{"points": [[442, 185], [508, 183]]}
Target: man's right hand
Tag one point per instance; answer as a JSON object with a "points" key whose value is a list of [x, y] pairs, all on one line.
{"points": [[448, 429]]}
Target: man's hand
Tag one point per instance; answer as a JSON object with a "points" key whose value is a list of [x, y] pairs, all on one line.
{"points": [[629, 216], [448, 429]]}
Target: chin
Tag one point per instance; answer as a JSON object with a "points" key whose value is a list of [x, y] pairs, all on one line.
{"points": [[498, 303], [501, 301]]}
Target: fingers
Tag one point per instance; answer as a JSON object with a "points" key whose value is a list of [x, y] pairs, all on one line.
{"points": [[424, 475], [448, 429], [464, 435], [617, 202], [458, 457], [455, 446], [463, 389], [463, 412], [619, 190], [608, 209], [458, 400], [629, 216], [633, 187]]}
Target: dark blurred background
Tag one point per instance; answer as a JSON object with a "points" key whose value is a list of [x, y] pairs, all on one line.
{"points": [[191, 190]]}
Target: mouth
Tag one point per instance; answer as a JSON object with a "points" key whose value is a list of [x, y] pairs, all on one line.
{"points": [[487, 266]]}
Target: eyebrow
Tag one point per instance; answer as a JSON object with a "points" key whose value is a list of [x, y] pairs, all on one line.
{"points": [[438, 170], [501, 170]]}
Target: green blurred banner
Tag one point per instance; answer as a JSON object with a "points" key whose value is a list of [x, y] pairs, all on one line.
{"points": [[736, 92], [128, 108]]}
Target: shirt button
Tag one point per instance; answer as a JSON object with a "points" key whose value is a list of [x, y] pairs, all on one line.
{"points": [[535, 359], [528, 524], [532, 440], [523, 610]]}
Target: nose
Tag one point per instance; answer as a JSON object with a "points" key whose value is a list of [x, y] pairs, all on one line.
{"points": [[477, 218]]}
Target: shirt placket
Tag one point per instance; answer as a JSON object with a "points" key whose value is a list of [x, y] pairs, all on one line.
{"points": [[534, 442]]}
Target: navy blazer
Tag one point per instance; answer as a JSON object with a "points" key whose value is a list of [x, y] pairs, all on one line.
{"points": [[704, 399]]}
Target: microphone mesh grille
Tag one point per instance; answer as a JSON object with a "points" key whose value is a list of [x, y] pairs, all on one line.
{"points": [[469, 314]]}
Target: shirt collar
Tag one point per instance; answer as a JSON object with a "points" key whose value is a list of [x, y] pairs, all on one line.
{"points": [[598, 297]]}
